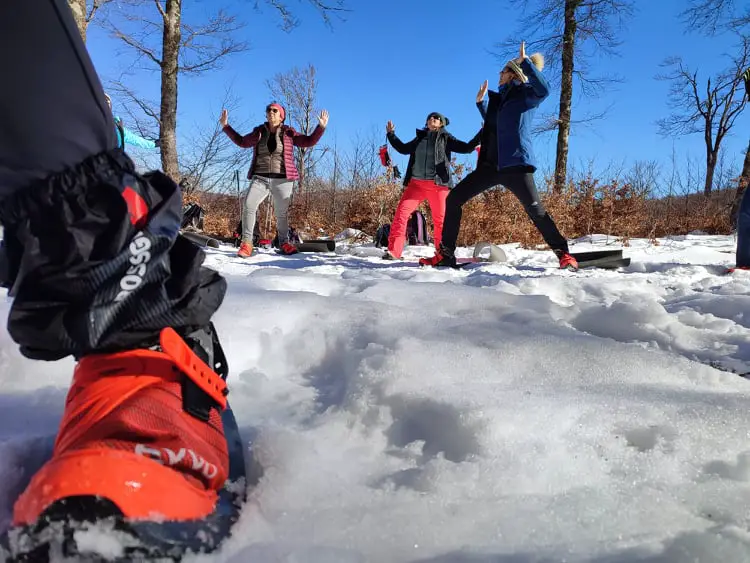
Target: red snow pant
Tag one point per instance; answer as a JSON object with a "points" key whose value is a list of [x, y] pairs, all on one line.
{"points": [[417, 191]]}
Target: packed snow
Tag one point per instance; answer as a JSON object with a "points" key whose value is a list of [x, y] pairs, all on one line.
{"points": [[507, 412]]}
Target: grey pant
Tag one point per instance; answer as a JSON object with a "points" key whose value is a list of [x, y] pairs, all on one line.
{"points": [[260, 187]]}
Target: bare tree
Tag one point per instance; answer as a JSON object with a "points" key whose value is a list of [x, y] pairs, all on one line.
{"points": [[176, 47], [713, 17], [212, 160], [362, 165], [84, 14], [297, 90], [711, 110], [569, 32], [644, 177]]}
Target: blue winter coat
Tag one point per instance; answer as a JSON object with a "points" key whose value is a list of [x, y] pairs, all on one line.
{"points": [[514, 106], [131, 138]]}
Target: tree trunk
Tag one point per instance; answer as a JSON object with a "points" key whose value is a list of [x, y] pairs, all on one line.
{"points": [[566, 94], [169, 70], [78, 7], [742, 185], [711, 160]]}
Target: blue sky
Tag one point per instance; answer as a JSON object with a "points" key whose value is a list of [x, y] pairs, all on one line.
{"points": [[401, 59]]}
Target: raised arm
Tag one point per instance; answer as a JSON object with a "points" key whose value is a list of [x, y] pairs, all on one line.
{"points": [[481, 100], [244, 141], [463, 147], [482, 107], [305, 141], [537, 83], [130, 138]]}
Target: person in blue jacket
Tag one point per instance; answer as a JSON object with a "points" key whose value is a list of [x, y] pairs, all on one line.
{"points": [[743, 216], [126, 137], [743, 234], [506, 157]]}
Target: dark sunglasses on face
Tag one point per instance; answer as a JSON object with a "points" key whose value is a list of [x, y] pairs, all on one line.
{"points": [[272, 110], [435, 117]]}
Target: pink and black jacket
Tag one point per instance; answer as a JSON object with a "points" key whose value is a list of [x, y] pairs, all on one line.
{"points": [[291, 139]]}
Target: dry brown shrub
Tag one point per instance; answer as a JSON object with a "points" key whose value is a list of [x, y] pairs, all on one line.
{"points": [[586, 206]]}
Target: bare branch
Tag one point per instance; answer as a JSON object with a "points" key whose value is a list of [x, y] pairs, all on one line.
{"points": [[325, 9], [142, 49], [94, 7], [212, 157], [161, 9], [148, 108], [199, 49], [551, 122], [714, 16], [597, 25]]}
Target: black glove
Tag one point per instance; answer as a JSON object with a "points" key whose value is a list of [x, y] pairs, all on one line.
{"points": [[157, 143]]}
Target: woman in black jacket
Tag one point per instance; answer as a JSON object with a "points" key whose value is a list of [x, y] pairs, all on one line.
{"points": [[428, 176]]}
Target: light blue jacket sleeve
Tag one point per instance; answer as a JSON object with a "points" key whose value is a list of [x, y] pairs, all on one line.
{"points": [[131, 138], [136, 140]]}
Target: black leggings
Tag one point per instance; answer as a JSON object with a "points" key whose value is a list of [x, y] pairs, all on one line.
{"points": [[518, 181], [53, 114]]}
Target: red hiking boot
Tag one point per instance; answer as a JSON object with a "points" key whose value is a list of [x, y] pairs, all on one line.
{"points": [[141, 429], [246, 250], [567, 262], [288, 248], [442, 257]]}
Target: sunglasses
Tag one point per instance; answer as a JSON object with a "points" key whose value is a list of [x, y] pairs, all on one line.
{"points": [[435, 117], [272, 110]]}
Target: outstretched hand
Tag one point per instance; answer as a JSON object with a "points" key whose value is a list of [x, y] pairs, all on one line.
{"points": [[224, 119], [482, 91], [323, 118], [390, 127]]}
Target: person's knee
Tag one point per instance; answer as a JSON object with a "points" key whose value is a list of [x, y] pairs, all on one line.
{"points": [[536, 210]]}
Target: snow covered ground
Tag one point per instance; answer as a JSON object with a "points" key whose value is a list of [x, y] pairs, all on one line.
{"points": [[508, 413]]}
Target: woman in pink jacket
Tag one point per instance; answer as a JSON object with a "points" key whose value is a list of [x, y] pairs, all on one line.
{"points": [[272, 170]]}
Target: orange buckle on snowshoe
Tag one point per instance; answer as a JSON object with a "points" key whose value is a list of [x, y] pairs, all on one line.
{"points": [[193, 367]]}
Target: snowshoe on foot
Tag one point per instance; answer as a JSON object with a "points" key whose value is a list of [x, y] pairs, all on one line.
{"points": [[246, 250], [388, 256], [567, 262], [443, 257], [288, 248]]}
